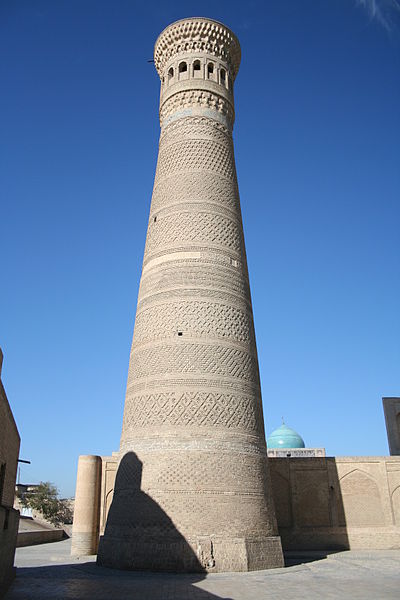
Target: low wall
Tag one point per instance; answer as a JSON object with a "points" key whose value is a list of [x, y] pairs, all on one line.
{"points": [[43, 536], [337, 503], [322, 503]]}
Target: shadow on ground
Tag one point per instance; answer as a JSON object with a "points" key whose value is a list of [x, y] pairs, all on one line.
{"points": [[88, 581], [293, 557]]}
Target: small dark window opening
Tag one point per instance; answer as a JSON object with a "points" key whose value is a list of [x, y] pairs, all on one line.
{"points": [[182, 67], [223, 75], [180, 333], [170, 73], [210, 69], [196, 65], [155, 219]]}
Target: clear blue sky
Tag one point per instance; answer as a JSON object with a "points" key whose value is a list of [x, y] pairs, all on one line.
{"points": [[317, 150]]}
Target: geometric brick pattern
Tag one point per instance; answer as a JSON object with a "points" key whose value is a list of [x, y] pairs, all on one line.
{"points": [[208, 474], [198, 99], [193, 189], [191, 278], [193, 412], [193, 318], [180, 228], [196, 155], [200, 127], [192, 358], [194, 409]]}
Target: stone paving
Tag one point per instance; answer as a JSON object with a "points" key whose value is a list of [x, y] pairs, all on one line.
{"points": [[47, 572]]}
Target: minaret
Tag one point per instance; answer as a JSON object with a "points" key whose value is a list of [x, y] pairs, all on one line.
{"points": [[193, 489]]}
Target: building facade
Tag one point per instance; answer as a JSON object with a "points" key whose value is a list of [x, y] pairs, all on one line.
{"points": [[9, 517], [391, 408]]}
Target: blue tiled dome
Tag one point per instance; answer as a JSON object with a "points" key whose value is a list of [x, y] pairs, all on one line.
{"points": [[284, 437]]}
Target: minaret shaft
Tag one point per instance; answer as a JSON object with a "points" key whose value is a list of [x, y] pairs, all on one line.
{"points": [[193, 423]]}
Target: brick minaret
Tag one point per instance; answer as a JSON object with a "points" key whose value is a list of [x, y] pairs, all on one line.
{"points": [[193, 489]]}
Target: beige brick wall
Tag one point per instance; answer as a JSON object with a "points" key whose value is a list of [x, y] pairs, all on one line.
{"points": [[348, 502], [342, 502], [9, 451], [9, 448], [108, 473]]}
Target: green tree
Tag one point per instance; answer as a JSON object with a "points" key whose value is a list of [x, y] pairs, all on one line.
{"points": [[44, 498]]}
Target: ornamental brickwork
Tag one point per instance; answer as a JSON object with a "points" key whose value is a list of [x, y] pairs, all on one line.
{"points": [[192, 489]]}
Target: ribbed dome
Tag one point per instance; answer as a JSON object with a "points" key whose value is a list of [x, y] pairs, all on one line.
{"points": [[285, 437]]}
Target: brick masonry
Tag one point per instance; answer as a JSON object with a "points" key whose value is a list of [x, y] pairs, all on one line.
{"points": [[192, 487], [9, 517]]}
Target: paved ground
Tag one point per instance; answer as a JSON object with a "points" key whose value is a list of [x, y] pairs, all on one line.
{"points": [[47, 572]]}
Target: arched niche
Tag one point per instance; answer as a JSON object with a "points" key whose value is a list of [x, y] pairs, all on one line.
{"points": [[197, 69], [211, 71], [396, 504], [183, 71], [361, 504]]}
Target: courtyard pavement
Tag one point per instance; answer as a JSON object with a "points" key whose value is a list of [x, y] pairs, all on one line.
{"points": [[47, 572]]}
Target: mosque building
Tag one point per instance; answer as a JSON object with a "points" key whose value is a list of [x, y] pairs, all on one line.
{"points": [[285, 442]]}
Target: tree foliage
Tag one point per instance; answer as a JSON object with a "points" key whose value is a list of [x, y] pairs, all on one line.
{"points": [[44, 499]]}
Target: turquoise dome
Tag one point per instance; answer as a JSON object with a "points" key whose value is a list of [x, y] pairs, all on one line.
{"points": [[284, 437]]}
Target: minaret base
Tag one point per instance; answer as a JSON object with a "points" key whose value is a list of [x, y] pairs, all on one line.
{"points": [[206, 555]]}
